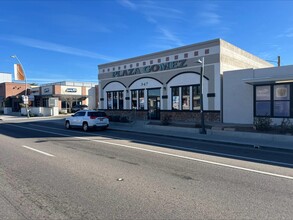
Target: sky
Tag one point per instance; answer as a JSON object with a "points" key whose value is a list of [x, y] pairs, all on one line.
{"points": [[66, 40]]}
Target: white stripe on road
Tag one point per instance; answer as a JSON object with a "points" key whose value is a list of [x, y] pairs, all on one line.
{"points": [[164, 153], [41, 152], [187, 148], [194, 159]]}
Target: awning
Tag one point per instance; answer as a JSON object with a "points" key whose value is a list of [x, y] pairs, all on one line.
{"points": [[73, 97], [64, 97], [268, 80]]}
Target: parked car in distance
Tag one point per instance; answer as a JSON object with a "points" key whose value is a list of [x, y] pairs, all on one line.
{"points": [[87, 119], [78, 108]]}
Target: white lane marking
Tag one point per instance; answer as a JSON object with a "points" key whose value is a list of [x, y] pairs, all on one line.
{"points": [[167, 154], [191, 158], [217, 153], [186, 148], [41, 152]]}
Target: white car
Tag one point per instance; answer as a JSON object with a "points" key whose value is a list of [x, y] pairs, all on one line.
{"points": [[87, 119]]}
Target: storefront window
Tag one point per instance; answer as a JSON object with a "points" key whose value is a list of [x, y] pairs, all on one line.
{"points": [[64, 104], [175, 98], [134, 99], [115, 100], [137, 99], [196, 97], [141, 99], [263, 100], [109, 100], [263, 108], [272, 100], [120, 100], [282, 100], [186, 98], [45, 102]]}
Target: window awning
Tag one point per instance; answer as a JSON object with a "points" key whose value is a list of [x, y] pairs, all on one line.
{"points": [[268, 80], [73, 97], [65, 97]]}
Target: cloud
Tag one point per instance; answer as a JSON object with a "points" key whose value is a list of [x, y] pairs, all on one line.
{"points": [[210, 15], [156, 15], [153, 11], [34, 76], [44, 45], [128, 4], [79, 23], [210, 18], [167, 35], [288, 33], [59, 79]]}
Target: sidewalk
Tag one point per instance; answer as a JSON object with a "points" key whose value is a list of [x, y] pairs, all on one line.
{"points": [[22, 117], [249, 139]]}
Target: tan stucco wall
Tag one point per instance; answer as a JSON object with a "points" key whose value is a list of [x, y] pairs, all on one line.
{"points": [[234, 58]]}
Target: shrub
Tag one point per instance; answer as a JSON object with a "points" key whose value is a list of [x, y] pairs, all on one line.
{"points": [[263, 123], [286, 125]]}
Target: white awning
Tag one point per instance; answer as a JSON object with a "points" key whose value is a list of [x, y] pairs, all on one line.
{"points": [[268, 80]]}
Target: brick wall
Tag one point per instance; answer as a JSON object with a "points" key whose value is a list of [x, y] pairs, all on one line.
{"points": [[13, 89], [192, 116], [176, 116], [131, 115], [57, 89]]}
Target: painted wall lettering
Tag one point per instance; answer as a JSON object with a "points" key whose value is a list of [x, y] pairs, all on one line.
{"points": [[152, 68]]}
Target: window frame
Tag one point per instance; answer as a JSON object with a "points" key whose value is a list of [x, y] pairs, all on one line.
{"points": [[118, 105], [273, 100], [190, 89]]}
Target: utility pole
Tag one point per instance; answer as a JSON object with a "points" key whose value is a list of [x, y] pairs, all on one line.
{"points": [[203, 129]]}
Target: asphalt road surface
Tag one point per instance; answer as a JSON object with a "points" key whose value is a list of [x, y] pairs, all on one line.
{"points": [[47, 172]]}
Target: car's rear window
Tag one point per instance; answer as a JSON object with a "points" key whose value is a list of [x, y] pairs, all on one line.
{"points": [[97, 114]]}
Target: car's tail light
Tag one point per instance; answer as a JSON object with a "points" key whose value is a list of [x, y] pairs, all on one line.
{"points": [[93, 117]]}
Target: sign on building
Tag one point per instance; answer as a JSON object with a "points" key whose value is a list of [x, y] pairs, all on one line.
{"points": [[25, 99], [53, 102]]}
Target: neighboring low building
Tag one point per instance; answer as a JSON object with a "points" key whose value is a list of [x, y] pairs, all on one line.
{"points": [[48, 99], [65, 94], [250, 93], [11, 96], [168, 83], [5, 77]]}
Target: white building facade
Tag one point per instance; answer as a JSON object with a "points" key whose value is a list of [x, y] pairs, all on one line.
{"points": [[5, 77], [169, 81], [64, 95], [252, 93]]}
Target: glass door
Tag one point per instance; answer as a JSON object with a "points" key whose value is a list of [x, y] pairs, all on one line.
{"points": [[154, 103]]}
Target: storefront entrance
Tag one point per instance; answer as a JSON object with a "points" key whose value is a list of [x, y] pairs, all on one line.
{"points": [[154, 103], [15, 105]]}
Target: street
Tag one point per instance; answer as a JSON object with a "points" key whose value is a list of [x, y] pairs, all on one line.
{"points": [[48, 172]]}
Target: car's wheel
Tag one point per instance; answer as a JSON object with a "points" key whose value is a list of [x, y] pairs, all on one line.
{"points": [[67, 125], [85, 126]]}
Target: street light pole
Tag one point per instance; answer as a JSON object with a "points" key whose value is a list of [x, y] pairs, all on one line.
{"points": [[25, 83], [203, 130]]}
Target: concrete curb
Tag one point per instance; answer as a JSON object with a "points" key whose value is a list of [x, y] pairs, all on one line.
{"points": [[230, 142]]}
